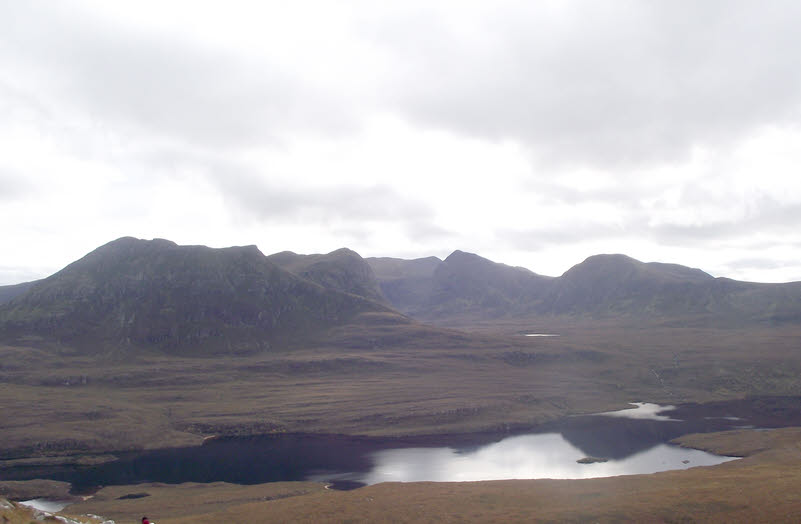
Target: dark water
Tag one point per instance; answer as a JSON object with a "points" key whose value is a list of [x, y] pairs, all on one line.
{"points": [[628, 445]]}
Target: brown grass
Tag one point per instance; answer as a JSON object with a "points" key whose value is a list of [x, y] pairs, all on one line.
{"points": [[54, 405], [164, 501]]}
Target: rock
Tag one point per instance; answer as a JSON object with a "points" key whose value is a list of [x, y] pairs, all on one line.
{"points": [[591, 460]]}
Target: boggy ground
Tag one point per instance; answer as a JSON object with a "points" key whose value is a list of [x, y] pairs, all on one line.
{"points": [[763, 487], [57, 403]]}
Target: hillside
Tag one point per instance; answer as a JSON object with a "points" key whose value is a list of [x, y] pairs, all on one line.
{"points": [[342, 270], [156, 294]]}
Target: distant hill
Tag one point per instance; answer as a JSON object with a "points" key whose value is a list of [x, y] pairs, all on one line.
{"points": [[462, 284], [468, 287], [156, 294], [407, 284], [617, 285], [9, 292], [468, 283], [342, 270]]}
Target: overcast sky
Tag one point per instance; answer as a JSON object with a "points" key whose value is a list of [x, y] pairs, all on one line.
{"points": [[532, 133]]}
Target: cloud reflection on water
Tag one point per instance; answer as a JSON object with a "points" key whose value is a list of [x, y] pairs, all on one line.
{"points": [[546, 455]]}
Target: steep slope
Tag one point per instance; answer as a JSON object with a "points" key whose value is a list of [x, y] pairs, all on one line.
{"points": [[184, 299], [407, 284], [343, 270]]}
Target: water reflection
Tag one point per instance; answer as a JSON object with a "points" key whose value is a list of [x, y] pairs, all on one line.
{"points": [[547, 455], [630, 445], [49, 505], [643, 411]]}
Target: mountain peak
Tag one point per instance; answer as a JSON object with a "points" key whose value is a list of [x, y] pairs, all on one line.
{"points": [[459, 254], [623, 267], [133, 241], [345, 251]]}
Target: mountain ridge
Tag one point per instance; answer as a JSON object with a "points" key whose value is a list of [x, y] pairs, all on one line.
{"points": [[133, 293], [342, 269]]}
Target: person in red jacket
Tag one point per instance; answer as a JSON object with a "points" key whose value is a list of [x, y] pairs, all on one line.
{"points": [[145, 521]]}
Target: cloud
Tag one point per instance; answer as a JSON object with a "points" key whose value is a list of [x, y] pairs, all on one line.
{"points": [[151, 82], [577, 82], [14, 186], [759, 263], [588, 83], [422, 230], [10, 275], [563, 234], [763, 216], [252, 194]]}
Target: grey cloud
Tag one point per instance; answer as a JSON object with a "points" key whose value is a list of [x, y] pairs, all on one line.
{"points": [[627, 194], [267, 200], [767, 216], [422, 230], [10, 275], [759, 263], [14, 186], [600, 83], [579, 82], [18, 104], [562, 234], [161, 84]]}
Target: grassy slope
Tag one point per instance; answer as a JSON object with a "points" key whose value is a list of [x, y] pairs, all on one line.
{"points": [[162, 501]]}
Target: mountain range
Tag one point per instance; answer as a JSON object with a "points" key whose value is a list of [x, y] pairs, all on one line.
{"points": [[467, 286], [194, 299]]}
